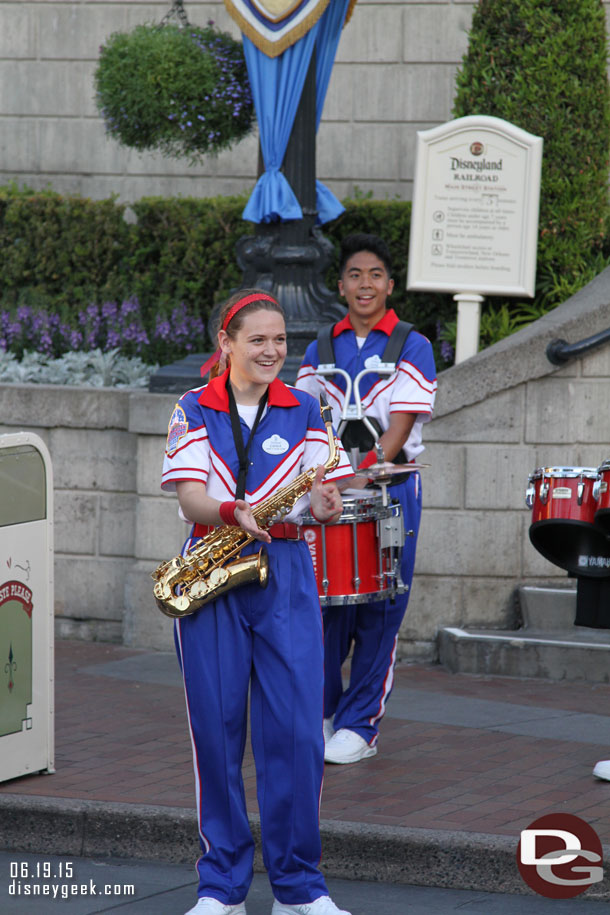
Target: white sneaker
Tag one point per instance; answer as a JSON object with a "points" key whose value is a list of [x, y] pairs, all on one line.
{"points": [[321, 906], [602, 769], [207, 905], [328, 729], [346, 746]]}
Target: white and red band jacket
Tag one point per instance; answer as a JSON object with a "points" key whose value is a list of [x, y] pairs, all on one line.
{"points": [[410, 389], [291, 437]]}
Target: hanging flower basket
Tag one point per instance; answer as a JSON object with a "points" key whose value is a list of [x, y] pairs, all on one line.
{"points": [[182, 91]]}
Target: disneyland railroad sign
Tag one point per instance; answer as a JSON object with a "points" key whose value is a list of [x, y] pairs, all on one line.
{"points": [[474, 224]]}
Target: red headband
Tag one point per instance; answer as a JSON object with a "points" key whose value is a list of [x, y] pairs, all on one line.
{"points": [[241, 303]]}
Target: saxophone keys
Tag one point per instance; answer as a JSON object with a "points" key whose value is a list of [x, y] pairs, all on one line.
{"points": [[217, 577]]}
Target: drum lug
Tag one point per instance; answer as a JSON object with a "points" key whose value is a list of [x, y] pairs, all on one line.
{"points": [[580, 489], [596, 491], [530, 494], [544, 492]]}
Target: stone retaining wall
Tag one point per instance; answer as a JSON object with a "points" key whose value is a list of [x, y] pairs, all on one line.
{"points": [[499, 415]]}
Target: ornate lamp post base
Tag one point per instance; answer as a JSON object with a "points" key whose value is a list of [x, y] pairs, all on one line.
{"points": [[290, 263]]}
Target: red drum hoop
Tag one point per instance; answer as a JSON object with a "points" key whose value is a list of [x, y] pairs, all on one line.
{"points": [[563, 512], [357, 559]]}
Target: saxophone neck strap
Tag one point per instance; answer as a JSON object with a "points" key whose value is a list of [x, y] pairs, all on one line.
{"points": [[242, 450]]}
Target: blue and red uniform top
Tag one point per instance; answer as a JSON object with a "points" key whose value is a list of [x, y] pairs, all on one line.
{"points": [[410, 389], [290, 438]]}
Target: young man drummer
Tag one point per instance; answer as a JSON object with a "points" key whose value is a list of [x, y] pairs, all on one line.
{"points": [[401, 404]]}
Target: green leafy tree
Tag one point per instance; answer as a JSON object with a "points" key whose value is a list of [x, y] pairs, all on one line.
{"points": [[541, 64]]}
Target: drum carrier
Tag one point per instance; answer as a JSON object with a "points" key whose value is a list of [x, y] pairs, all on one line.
{"points": [[364, 435]]}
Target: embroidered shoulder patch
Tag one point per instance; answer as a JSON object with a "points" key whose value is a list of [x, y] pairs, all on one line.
{"points": [[177, 429]]}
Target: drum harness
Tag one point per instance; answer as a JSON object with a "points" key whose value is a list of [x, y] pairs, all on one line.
{"points": [[366, 436]]}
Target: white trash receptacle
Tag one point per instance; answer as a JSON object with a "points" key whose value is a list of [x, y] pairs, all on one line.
{"points": [[26, 606]]}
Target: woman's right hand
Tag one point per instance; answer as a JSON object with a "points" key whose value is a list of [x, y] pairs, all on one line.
{"points": [[247, 521]]}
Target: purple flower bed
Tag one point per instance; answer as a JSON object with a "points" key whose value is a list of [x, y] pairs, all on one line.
{"points": [[106, 327]]}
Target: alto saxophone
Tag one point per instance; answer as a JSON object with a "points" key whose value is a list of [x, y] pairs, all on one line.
{"points": [[214, 565]]}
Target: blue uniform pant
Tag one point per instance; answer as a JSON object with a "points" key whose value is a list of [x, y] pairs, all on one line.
{"points": [[372, 628], [268, 641]]}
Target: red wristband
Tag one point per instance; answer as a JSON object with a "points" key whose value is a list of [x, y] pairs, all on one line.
{"points": [[227, 513], [368, 460]]}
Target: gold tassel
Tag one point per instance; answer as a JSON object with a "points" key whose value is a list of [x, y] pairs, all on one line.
{"points": [[275, 48]]}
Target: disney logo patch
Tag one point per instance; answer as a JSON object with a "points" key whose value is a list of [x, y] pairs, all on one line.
{"points": [[177, 429]]}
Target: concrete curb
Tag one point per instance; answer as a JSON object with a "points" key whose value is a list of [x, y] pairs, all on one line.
{"points": [[352, 851]]}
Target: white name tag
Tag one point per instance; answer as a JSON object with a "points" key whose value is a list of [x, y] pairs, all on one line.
{"points": [[275, 445]]}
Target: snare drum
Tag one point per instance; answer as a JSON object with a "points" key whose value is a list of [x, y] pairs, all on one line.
{"points": [[601, 491], [563, 510], [357, 559]]}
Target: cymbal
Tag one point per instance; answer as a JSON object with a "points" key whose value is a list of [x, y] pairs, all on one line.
{"points": [[380, 471]]}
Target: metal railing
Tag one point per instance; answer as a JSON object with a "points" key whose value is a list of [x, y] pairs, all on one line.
{"points": [[560, 351]]}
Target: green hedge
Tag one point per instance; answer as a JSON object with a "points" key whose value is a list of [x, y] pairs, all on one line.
{"points": [[65, 252], [62, 249], [62, 253], [183, 250]]}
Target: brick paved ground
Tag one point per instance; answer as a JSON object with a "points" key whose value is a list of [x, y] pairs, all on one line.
{"points": [[126, 741]]}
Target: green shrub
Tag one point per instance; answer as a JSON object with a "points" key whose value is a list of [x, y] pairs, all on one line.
{"points": [[184, 250], [59, 254], [182, 91], [67, 249], [541, 64]]}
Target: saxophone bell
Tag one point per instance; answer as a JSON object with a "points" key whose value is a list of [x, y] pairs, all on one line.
{"points": [[182, 599]]}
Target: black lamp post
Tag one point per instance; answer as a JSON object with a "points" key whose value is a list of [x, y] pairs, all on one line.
{"points": [[287, 259]]}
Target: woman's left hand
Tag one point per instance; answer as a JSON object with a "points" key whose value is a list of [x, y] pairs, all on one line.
{"points": [[326, 502]]}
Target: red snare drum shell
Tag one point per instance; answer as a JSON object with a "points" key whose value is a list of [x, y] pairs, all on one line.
{"points": [[340, 569], [602, 515], [349, 549], [562, 527]]}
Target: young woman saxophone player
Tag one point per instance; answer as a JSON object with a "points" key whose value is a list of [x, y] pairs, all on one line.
{"points": [[230, 445]]}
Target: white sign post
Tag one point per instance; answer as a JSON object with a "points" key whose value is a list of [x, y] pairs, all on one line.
{"points": [[474, 221]]}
